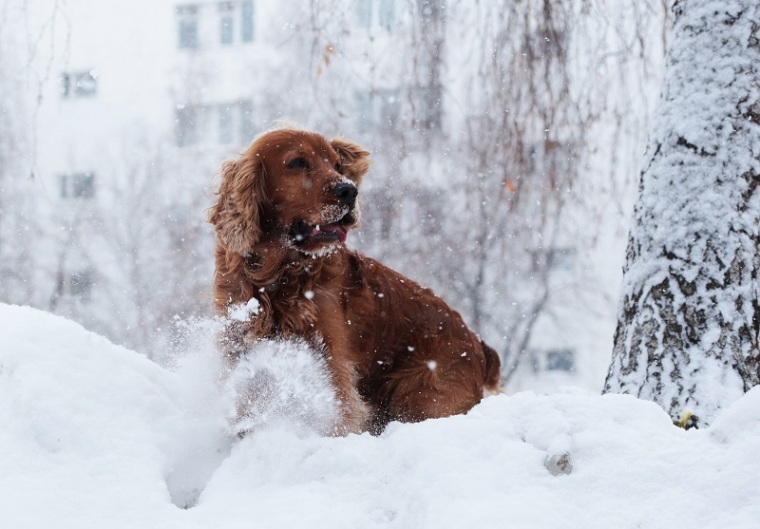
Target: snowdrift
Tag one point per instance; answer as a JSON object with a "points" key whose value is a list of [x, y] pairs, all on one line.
{"points": [[93, 435]]}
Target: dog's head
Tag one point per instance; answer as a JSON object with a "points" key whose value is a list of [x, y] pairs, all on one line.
{"points": [[293, 186]]}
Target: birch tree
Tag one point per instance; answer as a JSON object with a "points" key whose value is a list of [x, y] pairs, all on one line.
{"points": [[687, 334]]}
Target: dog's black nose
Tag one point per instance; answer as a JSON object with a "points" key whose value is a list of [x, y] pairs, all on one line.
{"points": [[346, 193]]}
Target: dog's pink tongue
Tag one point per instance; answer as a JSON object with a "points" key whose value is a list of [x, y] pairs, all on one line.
{"points": [[337, 229], [342, 234]]}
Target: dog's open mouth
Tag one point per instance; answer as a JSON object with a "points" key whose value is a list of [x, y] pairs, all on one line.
{"points": [[305, 233], [334, 230]]}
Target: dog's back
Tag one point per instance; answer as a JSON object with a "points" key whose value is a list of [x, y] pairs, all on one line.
{"points": [[417, 357]]}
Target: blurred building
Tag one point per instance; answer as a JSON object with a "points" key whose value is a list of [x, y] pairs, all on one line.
{"points": [[138, 103]]}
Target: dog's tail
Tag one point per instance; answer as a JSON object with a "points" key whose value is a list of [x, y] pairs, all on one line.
{"points": [[492, 377]]}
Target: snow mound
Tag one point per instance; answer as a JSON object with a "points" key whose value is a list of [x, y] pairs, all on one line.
{"points": [[87, 426], [93, 435]]}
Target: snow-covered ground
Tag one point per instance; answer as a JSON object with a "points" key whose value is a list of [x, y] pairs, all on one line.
{"points": [[93, 435]]}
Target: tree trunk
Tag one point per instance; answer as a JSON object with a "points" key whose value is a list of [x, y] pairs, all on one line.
{"points": [[687, 333]]}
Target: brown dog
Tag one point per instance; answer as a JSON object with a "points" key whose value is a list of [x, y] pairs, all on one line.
{"points": [[396, 351]]}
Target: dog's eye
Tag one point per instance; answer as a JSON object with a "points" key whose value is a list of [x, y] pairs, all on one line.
{"points": [[298, 163], [337, 167]]}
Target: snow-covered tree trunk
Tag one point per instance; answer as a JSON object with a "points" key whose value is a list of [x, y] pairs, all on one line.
{"points": [[687, 334]]}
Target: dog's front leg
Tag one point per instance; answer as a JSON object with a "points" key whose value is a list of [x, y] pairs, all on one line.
{"points": [[332, 327]]}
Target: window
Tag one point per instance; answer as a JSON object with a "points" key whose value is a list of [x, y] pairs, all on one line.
{"points": [[364, 13], [557, 259], [218, 124], [246, 21], [226, 22], [561, 259], [376, 13], [76, 285], [86, 84], [233, 15], [554, 360], [222, 23], [246, 121], [432, 9], [79, 84], [386, 14], [378, 109], [364, 112], [187, 127], [187, 20], [560, 360], [225, 128], [77, 185]]}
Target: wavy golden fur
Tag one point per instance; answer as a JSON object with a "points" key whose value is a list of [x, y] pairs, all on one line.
{"points": [[396, 351]]}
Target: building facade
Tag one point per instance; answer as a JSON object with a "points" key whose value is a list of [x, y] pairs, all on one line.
{"points": [[133, 105]]}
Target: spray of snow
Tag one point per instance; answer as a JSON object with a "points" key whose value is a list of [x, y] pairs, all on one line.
{"points": [[244, 311], [275, 385], [202, 441], [281, 383]]}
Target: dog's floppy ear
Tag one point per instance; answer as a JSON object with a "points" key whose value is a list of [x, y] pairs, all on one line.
{"points": [[354, 159], [236, 215]]}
